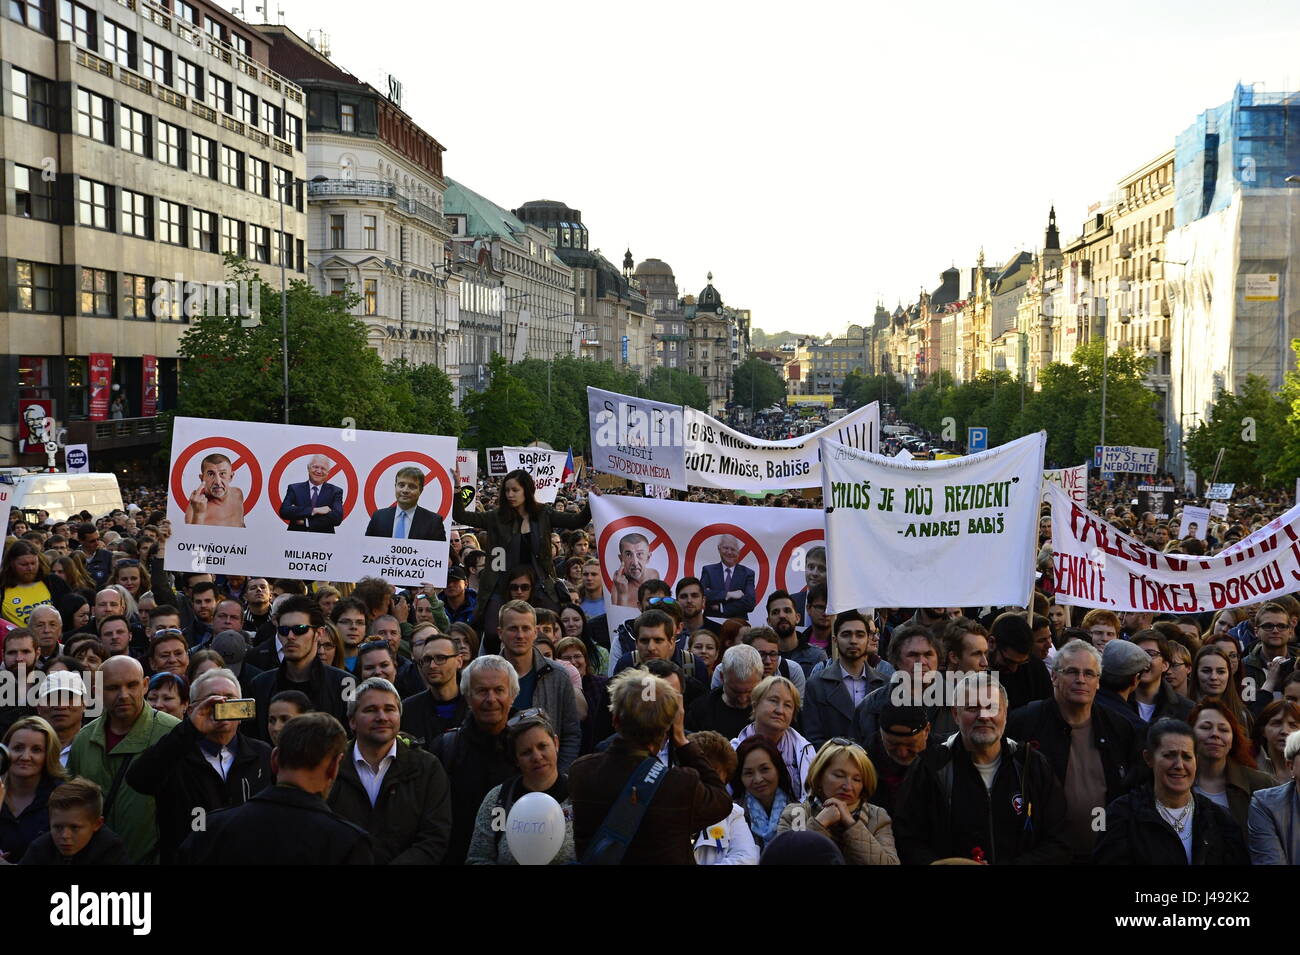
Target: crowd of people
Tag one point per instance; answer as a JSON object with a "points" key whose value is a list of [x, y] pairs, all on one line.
{"points": [[402, 725]]}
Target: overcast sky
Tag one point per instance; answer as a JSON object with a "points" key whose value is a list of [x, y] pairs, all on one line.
{"points": [[813, 162]]}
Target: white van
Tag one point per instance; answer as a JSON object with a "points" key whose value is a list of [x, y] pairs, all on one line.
{"points": [[66, 494]]}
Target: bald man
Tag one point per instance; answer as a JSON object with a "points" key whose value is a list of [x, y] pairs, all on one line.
{"points": [[108, 744], [46, 624], [314, 505], [216, 501]]}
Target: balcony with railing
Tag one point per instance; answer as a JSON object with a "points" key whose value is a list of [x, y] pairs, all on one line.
{"points": [[377, 189]]}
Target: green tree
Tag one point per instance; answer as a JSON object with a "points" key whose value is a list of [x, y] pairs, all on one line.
{"points": [[1252, 429], [755, 384], [231, 366], [1287, 464], [505, 413], [561, 420], [422, 399], [859, 389], [676, 387]]}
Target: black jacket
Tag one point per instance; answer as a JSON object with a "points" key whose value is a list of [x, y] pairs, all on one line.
{"points": [[828, 707], [506, 535], [281, 825], [175, 772], [420, 719], [1042, 727], [944, 811], [104, 848], [1136, 834], [1169, 702], [17, 833], [327, 692], [410, 822], [1028, 682], [476, 762], [711, 712]]}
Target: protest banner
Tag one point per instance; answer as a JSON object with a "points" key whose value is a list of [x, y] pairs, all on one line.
{"points": [[1096, 565], [1219, 492], [636, 438], [640, 538], [1123, 459], [1219, 509], [1194, 523], [1074, 481], [76, 458], [546, 467], [718, 456], [1156, 500], [932, 533], [309, 503], [467, 473]]}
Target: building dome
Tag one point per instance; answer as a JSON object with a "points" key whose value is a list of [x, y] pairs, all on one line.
{"points": [[709, 299], [654, 267]]}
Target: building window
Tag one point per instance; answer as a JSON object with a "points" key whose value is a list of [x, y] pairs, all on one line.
{"points": [[92, 115], [372, 296], [203, 156], [119, 44], [281, 248], [219, 95], [338, 287], [232, 236], [135, 296], [30, 100], [35, 287], [77, 23], [186, 11], [272, 120], [283, 185], [30, 12], [171, 222], [246, 107], [257, 178], [347, 118], [241, 43], [135, 214], [232, 167], [33, 195], [295, 131], [336, 232], [259, 240], [189, 79], [133, 130], [171, 144], [369, 231], [93, 204], [215, 29], [156, 62], [203, 231], [96, 292]]}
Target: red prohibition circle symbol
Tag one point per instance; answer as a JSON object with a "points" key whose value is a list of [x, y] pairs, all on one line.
{"points": [[748, 543], [341, 463], [657, 538], [783, 559], [436, 472], [247, 458]]}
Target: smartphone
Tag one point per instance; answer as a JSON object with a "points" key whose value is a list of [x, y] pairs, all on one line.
{"points": [[244, 709]]}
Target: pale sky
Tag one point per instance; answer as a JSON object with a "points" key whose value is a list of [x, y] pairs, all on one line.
{"points": [[816, 156]]}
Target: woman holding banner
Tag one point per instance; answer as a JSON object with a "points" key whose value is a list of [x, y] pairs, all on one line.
{"points": [[521, 527]]}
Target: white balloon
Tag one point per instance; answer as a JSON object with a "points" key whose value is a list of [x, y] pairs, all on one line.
{"points": [[535, 829]]}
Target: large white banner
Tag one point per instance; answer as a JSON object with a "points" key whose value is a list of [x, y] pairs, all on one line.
{"points": [[309, 503], [953, 533], [546, 467], [1097, 566], [636, 438], [1124, 459], [765, 548], [1074, 481], [719, 456]]}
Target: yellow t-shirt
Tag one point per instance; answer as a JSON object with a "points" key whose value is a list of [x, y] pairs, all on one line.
{"points": [[21, 599]]}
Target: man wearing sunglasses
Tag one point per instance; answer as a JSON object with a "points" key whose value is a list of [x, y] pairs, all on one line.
{"points": [[430, 713], [301, 622]]}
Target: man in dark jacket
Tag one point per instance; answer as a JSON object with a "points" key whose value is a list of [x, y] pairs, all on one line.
{"points": [[429, 714], [475, 755], [289, 823], [904, 734], [395, 791], [301, 623], [838, 685], [1090, 749], [980, 795], [202, 764], [725, 709], [1123, 665], [1023, 674], [1154, 698]]}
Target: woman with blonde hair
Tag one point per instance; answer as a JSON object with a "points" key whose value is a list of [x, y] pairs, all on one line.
{"points": [[774, 704], [34, 772], [840, 781]]}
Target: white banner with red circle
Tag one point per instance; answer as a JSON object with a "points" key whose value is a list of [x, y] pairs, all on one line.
{"points": [[309, 503], [642, 538]]}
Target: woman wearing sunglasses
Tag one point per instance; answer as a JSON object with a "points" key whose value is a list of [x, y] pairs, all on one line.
{"points": [[840, 781], [534, 745]]}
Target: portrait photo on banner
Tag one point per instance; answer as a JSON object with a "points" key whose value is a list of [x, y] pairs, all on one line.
{"points": [[299, 501]]}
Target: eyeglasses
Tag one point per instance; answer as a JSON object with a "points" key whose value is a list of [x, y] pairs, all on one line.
{"points": [[436, 659], [656, 601], [372, 645], [128, 562], [520, 588], [1074, 673], [769, 654], [534, 714], [1273, 627], [169, 632], [297, 629], [842, 741]]}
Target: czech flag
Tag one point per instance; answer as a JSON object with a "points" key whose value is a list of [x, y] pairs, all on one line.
{"points": [[568, 477]]}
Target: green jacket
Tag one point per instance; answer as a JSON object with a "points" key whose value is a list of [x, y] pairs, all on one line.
{"points": [[132, 814]]}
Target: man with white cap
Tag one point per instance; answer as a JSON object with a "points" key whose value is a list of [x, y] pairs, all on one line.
{"points": [[61, 702]]}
